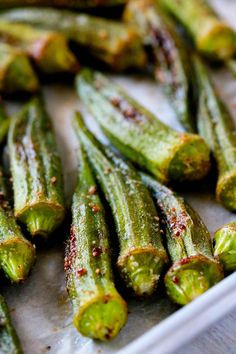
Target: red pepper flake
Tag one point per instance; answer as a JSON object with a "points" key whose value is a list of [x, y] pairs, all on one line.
{"points": [[177, 233], [184, 261], [175, 280], [96, 251], [81, 272], [92, 190], [115, 101], [95, 208], [173, 209], [53, 180]]}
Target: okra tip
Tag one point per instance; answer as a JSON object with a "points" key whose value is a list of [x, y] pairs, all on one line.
{"points": [[225, 246], [191, 160], [103, 318], [17, 259], [191, 277], [226, 190]]}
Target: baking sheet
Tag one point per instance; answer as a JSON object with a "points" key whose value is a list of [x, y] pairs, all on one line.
{"points": [[40, 308]]}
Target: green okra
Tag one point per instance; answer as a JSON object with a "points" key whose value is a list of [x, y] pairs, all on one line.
{"points": [[225, 245], [139, 135], [231, 65], [211, 35], [117, 44], [169, 54], [216, 126], [99, 310], [194, 269], [141, 255], [9, 341], [36, 170], [4, 122], [48, 49], [76, 4], [16, 71], [17, 255]]}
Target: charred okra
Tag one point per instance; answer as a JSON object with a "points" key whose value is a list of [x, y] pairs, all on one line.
{"points": [[9, 341], [17, 255], [99, 310], [16, 71], [194, 268], [169, 54], [211, 35], [117, 44], [142, 256], [36, 170], [225, 245], [48, 49], [76, 4], [4, 122], [216, 126], [139, 135]]}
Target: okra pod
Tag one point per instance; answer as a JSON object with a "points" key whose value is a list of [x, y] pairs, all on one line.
{"points": [[16, 71], [117, 44], [36, 170], [75, 4], [48, 49], [99, 310], [169, 54], [17, 255], [216, 126], [225, 245], [141, 255], [231, 65], [9, 341], [4, 122], [139, 135], [194, 269], [211, 35]]}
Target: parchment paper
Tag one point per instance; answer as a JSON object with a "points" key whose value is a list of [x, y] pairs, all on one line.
{"points": [[41, 311]]}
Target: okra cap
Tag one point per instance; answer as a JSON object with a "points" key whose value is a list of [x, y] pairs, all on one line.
{"points": [[225, 246]]}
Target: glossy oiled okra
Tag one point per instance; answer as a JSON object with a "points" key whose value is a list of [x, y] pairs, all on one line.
{"points": [[211, 35], [194, 269], [139, 135], [36, 170], [48, 49], [99, 310], [225, 245], [141, 255], [170, 55], [115, 43], [76, 4], [216, 126]]}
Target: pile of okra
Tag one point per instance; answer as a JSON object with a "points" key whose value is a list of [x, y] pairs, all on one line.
{"points": [[130, 231]]}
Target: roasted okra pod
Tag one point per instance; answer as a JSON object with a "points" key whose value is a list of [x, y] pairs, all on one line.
{"points": [[99, 311], [139, 135], [211, 35], [9, 341], [194, 269], [17, 255], [76, 4], [48, 49], [216, 126], [169, 54], [141, 255], [225, 245], [117, 44], [36, 170], [4, 122]]}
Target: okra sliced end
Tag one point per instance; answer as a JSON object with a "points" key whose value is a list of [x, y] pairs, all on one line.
{"points": [[191, 277], [191, 160], [17, 258], [225, 246], [226, 190], [103, 318], [42, 219], [141, 269]]}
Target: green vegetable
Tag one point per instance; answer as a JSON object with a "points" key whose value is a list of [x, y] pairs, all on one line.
{"points": [[48, 49], [142, 256], [16, 71], [17, 255], [216, 126], [139, 135], [9, 341], [117, 44], [61, 3], [99, 311], [225, 245], [194, 269], [231, 64], [169, 53], [4, 123], [211, 35], [36, 170]]}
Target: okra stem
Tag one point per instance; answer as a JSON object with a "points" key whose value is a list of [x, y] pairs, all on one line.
{"points": [[225, 245]]}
